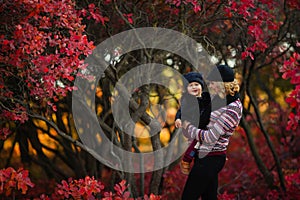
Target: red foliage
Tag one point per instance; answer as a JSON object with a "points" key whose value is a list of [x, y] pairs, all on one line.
{"points": [[291, 70], [195, 4], [226, 196], [42, 52], [93, 12], [293, 184], [86, 188], [174, 182], [12, 180], [257, 21], [89, 188], [241, 178], [4, 132], [120, 192], [129, 17]]}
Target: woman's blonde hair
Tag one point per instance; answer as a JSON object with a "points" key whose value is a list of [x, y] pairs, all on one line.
{"points": [[232, 87]]}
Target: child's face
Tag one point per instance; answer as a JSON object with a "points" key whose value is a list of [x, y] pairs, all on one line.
{"points": [[194, 88]]}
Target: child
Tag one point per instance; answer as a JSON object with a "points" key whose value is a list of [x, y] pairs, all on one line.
{"points": [[198, 117]]}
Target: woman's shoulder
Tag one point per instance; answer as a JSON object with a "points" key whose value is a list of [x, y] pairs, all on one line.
{"points": [[235, 106], [236, 103]]}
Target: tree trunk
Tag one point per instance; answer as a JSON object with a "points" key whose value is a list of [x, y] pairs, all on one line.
{"points": [[269, 142], [157, 175]]}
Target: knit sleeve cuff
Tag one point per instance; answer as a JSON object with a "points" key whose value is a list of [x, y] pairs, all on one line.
{"points": [[195, 133]]}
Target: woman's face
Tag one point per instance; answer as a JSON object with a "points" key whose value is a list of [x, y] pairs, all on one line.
{"points": [[194, 88], [216, 87]]}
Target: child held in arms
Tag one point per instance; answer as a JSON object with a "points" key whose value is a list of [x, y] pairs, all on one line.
{"points": [[195, 108]]}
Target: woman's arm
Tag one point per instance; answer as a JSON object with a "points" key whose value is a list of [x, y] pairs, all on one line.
{"points": [[221, 123]]}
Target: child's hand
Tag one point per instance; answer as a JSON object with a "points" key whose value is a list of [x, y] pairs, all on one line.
{"points": [[178, 123]]}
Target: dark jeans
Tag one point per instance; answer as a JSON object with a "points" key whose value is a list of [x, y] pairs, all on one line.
{"points": [[203, 178]]}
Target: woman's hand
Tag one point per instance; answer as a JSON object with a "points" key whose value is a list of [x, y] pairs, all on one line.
{"points": [[185, 132], [185, 124]]}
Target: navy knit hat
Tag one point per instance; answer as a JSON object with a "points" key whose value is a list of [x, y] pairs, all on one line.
{"points": [[194, 77], [224, 71]]}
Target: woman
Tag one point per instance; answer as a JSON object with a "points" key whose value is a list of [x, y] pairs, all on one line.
{"points": [[225, 117]]}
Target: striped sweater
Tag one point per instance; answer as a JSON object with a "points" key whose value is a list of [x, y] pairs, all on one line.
{"points": [[223, 122]]}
